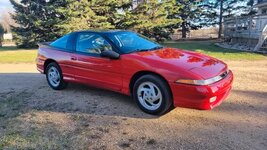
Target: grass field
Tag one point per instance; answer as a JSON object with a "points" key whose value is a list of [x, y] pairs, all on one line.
{"points": [[14, 55]]}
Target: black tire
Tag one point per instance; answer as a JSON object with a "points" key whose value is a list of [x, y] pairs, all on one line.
{"points": [[166, 103], [62, 84]]}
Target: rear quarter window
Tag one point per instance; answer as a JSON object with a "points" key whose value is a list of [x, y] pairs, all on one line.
{"points": [[61, 42]]}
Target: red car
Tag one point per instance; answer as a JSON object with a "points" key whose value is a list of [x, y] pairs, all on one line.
{"points": [[157, 77]]}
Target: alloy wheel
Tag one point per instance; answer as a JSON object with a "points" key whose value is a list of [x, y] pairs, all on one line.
{"points": [[149, 96]]}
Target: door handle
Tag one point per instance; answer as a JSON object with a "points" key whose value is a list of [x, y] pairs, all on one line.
{"points": [[73, 58]]}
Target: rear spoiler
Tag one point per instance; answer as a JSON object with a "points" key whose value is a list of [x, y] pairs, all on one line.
{"points": [[41, 44]]}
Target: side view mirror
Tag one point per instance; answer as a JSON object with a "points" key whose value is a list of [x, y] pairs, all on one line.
{"points": [[110, 54]]}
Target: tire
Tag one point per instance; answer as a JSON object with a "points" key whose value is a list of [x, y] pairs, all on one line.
{"points": [[152, 95], [54, 77]]}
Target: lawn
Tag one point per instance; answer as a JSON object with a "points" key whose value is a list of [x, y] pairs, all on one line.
{"points": [[211, 49], [14, 55]]}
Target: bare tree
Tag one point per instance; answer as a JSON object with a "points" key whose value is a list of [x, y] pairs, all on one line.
{"points": [[7, 21]]}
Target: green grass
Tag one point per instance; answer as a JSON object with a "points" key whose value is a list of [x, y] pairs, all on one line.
{"points": [[211, 49], [12, 54]]}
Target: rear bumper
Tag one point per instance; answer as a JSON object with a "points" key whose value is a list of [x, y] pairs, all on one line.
{"points": [[198, 97], [40, 65]]}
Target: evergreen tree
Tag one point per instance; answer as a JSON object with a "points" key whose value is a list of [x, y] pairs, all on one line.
{"points": [[190, 14], [46, 20], [150, 18], [113, 10], [36, 21], [91, 14], [80, 16]]}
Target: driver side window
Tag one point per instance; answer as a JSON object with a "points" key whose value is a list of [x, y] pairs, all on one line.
{"points": [[91, 43]]}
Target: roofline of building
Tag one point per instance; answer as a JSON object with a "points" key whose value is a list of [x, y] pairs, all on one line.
{"points": [[260, 4]]}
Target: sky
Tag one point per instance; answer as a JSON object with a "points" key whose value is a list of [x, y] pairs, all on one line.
{"points": [[5, 6]]}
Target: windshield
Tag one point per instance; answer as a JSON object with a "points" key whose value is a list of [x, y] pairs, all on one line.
{"points": [[129, 42]]}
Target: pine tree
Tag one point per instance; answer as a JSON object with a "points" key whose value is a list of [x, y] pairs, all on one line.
{"points": [[150, 18], [36, 21], [190, 14], [92, 14], [113, 10], [80, 16]]}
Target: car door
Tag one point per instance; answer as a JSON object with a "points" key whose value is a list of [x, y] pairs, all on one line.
{"points": [[90, 67]]}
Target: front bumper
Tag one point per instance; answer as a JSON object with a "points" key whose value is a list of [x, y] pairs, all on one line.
{"points": [[198, 97]]}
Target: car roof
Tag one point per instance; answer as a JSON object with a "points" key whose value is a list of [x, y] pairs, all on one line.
{"points": [[102, 31]]}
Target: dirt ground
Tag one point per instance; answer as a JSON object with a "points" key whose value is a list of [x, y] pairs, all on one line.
{"points": [[32, 115]]}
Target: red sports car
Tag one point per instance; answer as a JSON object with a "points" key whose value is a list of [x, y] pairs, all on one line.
{"points": [[157, 77]]}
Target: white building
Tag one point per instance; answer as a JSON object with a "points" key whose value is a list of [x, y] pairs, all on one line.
{"points": [[262, 7], [249, 32], [7, 36]]}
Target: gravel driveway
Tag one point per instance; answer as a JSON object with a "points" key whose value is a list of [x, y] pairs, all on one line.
{"points": [[32, 115]]}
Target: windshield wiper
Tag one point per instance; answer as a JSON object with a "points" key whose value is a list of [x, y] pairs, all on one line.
{"points": [[144, 50], [155, 48]]}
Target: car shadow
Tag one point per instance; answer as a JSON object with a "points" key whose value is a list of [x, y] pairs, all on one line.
{"points": [[246, 104], [105, 102]]}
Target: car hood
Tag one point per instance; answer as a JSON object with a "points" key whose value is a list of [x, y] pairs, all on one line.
{"points": [[202, 65]]}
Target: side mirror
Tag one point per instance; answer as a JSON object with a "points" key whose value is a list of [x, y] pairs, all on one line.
{"points": [[110, 54]]}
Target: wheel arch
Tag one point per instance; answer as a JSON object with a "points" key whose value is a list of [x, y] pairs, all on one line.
{"points": [[48, 61], [139, 74]]}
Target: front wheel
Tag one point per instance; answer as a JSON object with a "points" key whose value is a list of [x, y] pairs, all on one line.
{"points": [[152, 94], [54, 77]]}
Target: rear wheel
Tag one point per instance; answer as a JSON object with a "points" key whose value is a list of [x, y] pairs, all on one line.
{"points": [[152, 94], [54, 77]]}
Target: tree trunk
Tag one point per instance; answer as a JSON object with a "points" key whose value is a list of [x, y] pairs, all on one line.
{"points": [[1, 40], [220, 19], [184, 30]]}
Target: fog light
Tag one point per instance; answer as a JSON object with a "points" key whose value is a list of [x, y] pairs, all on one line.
{"points": [[213, 99]]}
